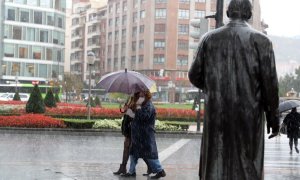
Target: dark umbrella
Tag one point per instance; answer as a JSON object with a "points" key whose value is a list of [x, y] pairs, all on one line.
{"points": [[287, 105], [125, 82]]}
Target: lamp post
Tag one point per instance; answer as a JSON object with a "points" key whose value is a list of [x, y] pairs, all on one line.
{"points": [[90, 61], [16, 79]]}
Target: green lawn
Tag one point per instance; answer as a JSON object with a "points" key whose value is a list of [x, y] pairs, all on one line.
{"points": [[166, 105]]}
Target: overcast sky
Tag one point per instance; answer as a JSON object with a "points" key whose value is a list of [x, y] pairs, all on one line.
{"points": [[282, 16]]}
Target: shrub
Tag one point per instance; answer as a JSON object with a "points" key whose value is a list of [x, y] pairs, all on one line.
{"points": [[35, 104], [159, 125], [57, 98], [50, 99], [92, 102], [97, 101], [79, 123], [107, 124], [17, 97]]}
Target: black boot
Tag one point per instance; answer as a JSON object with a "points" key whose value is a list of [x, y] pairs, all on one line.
{"points": [[122, 170], [297, 150], [159, 175]]}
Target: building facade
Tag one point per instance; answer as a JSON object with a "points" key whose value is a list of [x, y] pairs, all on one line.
{"points": [[88, 32], [33, 40]]}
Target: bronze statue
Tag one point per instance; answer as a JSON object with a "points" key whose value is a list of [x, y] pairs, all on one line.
{"points": [[235, 67]]}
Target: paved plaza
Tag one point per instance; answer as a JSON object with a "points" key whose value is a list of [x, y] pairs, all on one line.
{"points": [[47, 155]]}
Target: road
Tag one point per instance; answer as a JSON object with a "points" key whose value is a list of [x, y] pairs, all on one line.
{"points": [[44, 156]]}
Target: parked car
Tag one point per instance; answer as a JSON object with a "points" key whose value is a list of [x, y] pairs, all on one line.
{"points": [[10, 96]]}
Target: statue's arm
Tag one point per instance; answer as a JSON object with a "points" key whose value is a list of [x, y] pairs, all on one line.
{"points": [[269, 84]]}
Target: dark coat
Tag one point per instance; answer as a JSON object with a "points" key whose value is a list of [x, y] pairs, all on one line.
{"points": [[143, 143], [235, 68], [292, 121]]}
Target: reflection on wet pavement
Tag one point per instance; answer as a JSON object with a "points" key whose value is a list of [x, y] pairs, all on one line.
{"points": [[45, 156]]}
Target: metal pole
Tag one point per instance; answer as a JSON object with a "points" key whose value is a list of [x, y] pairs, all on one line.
{"points": [[219, 13], [89, 97]]}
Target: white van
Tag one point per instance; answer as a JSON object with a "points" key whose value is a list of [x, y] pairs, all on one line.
{"points": [[10, 96]]}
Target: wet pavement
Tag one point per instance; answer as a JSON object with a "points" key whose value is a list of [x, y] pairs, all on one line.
{"points": [[46, 156]]}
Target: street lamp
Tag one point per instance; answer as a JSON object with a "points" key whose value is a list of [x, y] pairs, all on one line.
{"points": [[16, 79], [90, 61]]}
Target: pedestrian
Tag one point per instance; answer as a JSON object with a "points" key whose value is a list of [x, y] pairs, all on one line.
{"points": [[292, 122], [235, 67], [143, 143], [128, 110]]}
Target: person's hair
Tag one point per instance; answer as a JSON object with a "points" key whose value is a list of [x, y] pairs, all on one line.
{"points": [[239, 9], [294, 110], [148, 96]]}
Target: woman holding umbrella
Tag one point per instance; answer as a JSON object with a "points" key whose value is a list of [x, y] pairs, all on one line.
{"points": [[292, 121], [128, 110], [143, 143]]}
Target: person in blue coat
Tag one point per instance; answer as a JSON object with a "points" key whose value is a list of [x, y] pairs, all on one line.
{"points": [[143, 143]]}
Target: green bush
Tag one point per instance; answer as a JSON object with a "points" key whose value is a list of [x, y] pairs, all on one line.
{"points": [[35, 104], [161, 126], [79, 123], [57, 98], [97, 101], [17, 97], [92, 102], [50, 99]]}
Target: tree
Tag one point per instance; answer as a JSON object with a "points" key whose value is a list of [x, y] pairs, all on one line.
{"points": [[50, 99], [57, 98], [73, 83], [35, 104], [92, 102], [17, 97], [97, 101]]}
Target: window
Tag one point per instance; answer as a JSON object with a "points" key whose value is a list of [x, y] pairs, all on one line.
{"points": [[118, 7], [116, 49], [135, 3], [36, 52], [160, 13], [23, 51], [110, 9], [199, 14], [9, 50], [134, 17], [123, 48], [110, 22], [15, 68], [38, 17], [183, 29], [117, 21], [46, 3], [43, 70], [133, 61], [182, 60], [20, 1], [183, 44], [115, 63], [134, 31], [124, 20], [50, 20], [142, 29], [29, 70], [43, 36], [49, 54], [141, 58], [159, 59], [124, 6], [30, 35], [123, 33], [184, 1], [17, 32], [109, 35], [133, 46], [202, 1], [142, 14], [160, 28], [141, 44], [183, 14], [116, 35], [60, 22], [159, 44], [32, 2], [55, 37], [161, 1], [11, 15], [24, 16], [122, 62]]}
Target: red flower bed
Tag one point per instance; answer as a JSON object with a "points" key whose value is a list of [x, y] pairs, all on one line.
{"points": [[82, 111], [31, 121], [12, 102], [62, 104]]}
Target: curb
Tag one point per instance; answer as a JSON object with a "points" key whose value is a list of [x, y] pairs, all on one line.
{"points": [[94, 132]]}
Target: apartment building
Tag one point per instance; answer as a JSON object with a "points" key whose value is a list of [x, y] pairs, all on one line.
{"points": [[32, 37], [88, 32]]}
